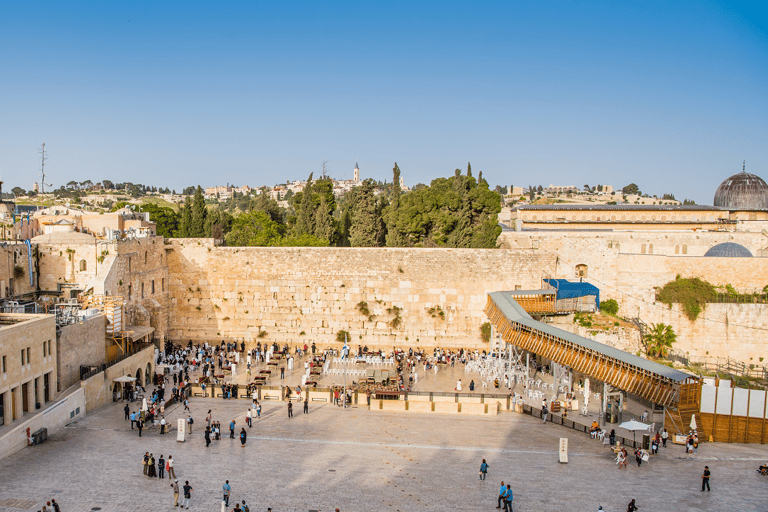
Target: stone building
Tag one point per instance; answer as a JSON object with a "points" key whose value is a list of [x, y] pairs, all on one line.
{"points": [[27, 364]]}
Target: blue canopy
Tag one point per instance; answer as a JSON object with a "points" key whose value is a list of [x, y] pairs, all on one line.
{"points": [[568, 290]]}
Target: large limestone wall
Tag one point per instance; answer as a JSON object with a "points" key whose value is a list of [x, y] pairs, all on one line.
{"points": [[12, 255], [231, 293]]}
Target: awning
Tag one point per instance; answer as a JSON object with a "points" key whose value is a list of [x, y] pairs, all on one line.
{"points": [[125, 379], [137, 332]]}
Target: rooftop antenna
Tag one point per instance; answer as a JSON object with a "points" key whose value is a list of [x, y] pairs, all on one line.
{"points": [[744, 166], [42, 169], [324, 168]]}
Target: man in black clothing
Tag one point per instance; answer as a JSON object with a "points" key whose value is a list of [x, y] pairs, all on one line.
{"points": [[127, 411], [705, 478]]}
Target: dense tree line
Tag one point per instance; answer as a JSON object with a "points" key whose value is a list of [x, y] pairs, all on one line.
{"points": [[460, 211]]}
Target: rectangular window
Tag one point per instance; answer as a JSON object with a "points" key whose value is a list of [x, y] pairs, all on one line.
{"points": [[49, 347], [28, 354], [22, 357], [129, 292], [45, 349], [162, 285], [5, 368], [153, 287], [142, 290]]}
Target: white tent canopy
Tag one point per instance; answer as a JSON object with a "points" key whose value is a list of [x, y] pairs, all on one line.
{"points": [[125, 379]]}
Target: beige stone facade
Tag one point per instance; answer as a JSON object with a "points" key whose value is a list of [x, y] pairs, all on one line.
{"points": [[309, 294], [27, 364]]}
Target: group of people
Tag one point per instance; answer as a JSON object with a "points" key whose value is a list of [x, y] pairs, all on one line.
{"points": [[52, 506], [157, 468]]}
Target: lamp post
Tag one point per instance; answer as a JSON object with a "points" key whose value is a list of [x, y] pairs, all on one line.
{"points": [[346, 353]]}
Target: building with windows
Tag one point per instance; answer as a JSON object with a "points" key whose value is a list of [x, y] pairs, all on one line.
{"points": [[27, 364]]}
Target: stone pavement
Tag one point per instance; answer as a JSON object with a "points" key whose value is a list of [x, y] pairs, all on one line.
{"points": [[360, 460]]}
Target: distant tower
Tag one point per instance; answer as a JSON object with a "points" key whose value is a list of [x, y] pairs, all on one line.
{"points": [[402, 182], [357, 173]]}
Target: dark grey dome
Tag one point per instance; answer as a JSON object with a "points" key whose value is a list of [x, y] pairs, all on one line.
{"points": [[742, 191], [728, 250]]}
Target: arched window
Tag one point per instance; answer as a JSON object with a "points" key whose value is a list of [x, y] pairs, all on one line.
{"points": [[677, 249], [642, 249], [685, 249], [581, 271], [650, 248], [83, 266]]}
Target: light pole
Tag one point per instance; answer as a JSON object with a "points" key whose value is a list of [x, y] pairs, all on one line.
{"points": [[346, 353]]}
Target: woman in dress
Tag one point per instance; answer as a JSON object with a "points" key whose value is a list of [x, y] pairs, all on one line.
{"points": [[152, 468]]}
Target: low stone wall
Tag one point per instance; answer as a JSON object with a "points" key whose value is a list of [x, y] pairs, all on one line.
{"points": [[100, 389], [64, 411], [491, 408]]}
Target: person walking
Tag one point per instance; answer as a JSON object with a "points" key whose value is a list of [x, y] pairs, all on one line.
{"points": [[290, 409], [209, 418], [243, 437], [483, 469], [175, 486], [258, 410], [502, 494], [632, 507], [544, 412], [227, 492], [169, 465], [140, 425], [132, 417], [207, 436], [306, 404], [705, 478], [187, 494], [664, 436], [231, 432], [190, 422], [248, 418], [146, 463], [282, 372], [127, 411], [161, 467]]}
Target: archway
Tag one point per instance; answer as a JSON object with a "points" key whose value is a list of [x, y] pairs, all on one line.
{"points": [[138, 378], [148, 374], [581, 271]]}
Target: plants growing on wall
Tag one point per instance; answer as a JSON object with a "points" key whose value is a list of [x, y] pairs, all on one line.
{"points": [[397, 320], [341, 336], [691, 293], [485, 332], [18, 271], [436, 311], [609, 306]]}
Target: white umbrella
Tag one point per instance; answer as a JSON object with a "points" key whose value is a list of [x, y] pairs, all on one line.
{"points": [[144, 405], [586, 391], [634, 426], [693, 422]]}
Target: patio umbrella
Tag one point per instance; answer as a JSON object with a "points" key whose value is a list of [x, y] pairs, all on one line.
{"points": [[634, 426], [693, 422], [144, 405], [586, 391]]}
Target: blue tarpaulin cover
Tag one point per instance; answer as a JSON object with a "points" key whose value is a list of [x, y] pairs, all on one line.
{"points": [[568, 290]]}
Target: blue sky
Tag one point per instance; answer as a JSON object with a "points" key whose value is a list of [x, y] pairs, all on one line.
{"points": [[669, 95]]}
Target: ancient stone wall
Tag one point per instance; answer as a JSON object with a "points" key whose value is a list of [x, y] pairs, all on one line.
{"points": [[80, 344], [11, 256], [309, 294]]}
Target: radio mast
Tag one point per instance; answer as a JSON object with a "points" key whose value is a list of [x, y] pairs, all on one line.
{"points": [[42, 169]]}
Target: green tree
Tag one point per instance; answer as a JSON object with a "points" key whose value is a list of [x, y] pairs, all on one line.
{"points": [[325, 226], [254, 229], [631, 189], [107, 185], [367, 225], [18, 191], [453, 212], [186, 219], [300, 241], [167, 219], [658, 340], [395, 236], [610, 306], [199, 214]]}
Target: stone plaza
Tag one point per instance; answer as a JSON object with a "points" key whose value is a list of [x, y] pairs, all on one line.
{"points": [[359, 459]]}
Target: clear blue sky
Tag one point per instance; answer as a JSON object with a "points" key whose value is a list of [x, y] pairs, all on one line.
{"points": [[670, 95]]}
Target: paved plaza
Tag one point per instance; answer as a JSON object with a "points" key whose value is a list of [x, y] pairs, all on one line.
{"points": [[361, 460]]}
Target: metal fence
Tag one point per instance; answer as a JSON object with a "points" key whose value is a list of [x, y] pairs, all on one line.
{"points": [[568, 423]]}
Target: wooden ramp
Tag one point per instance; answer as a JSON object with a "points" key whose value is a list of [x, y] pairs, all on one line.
{"points": [[633, 374]]}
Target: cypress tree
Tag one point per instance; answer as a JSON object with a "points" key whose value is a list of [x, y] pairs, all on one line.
{"points": [[366, 218], [395, 237], [199, 214], [186, 219]]}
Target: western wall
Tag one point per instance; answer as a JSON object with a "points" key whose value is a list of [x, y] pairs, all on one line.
{"points": [[309, 294]]}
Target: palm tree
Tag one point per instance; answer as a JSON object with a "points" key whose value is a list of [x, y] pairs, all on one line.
{"points": [[658, 340]]}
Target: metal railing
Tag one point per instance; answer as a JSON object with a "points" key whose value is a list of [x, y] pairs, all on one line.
{"points": [[138, 347], [568, 423]]}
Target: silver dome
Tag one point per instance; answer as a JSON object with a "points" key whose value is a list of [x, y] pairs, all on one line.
{"points": [[742, 191], [728, 250]]}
